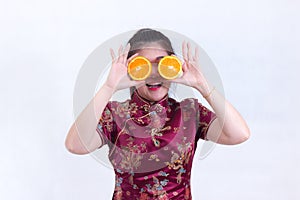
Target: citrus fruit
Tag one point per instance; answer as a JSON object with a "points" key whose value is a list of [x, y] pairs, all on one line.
{"points": [[139, 68], [170, 67]]}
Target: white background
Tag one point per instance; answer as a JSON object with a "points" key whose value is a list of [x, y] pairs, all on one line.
{"points": [[43, 44]]}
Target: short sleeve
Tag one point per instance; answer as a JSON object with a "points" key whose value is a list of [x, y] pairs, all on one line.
{"points": [[205, 118], [105, 125]]}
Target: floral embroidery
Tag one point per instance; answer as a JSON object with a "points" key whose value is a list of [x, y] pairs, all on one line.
{"points": [[154, 157], [187, 193], [177, 161], [162, 173], [118, 190], [158, 188], [106, 120], [157, 132], [144, 196], [123, 109], [132, 155]]}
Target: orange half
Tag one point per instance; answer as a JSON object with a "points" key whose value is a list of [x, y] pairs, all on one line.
{"points": [[139, 68], [170, 67]]}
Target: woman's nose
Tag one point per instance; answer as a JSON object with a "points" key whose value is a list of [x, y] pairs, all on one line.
{"points": [[154, 73]]}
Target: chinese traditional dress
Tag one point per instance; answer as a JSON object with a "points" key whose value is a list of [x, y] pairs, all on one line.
{"points": [[152, 145]]}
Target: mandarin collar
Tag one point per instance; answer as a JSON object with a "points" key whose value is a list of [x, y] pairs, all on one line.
{"points": [[143, 103]]}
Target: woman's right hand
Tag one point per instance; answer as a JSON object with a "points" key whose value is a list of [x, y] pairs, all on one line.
{"points": [[118, 78]]}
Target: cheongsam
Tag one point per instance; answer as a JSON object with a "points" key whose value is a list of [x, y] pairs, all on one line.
{"points": [[152, 145]]}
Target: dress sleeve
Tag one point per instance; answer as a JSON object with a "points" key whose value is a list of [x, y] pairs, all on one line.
{"points": [[105, 125], [205, 118]]}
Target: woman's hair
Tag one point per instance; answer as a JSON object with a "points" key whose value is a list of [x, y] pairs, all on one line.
{"points": [[146, 36]]}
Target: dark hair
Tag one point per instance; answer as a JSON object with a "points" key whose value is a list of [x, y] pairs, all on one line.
{"points": [[147, 35]]}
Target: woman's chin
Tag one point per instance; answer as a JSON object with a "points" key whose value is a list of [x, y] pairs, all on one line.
{"points": [[157, 96]]}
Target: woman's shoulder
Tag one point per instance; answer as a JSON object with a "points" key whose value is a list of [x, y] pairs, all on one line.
{"points": [[121, 109], [185, 104], [186, 101], [114, 104]]}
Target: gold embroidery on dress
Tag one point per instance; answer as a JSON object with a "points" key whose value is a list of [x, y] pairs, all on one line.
{"points": [[157, 132], [158, 108], [157, 189], [118, 188], [123, 130], [176, 129], [123, 109], [131, 155], [177, 161], [154, 157], [107, 120]]}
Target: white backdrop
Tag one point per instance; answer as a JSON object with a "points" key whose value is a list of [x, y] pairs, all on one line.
{"points": [[254, 44]]}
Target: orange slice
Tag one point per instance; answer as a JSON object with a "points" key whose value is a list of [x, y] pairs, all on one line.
{"points": [[139, 68], [170, 67]]}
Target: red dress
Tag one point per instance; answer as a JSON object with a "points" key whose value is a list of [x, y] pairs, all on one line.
{"points": [[151, 146]]}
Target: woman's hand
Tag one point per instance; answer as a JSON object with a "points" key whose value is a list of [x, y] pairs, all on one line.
{"points": [[229, 127], [192, 75], [118, 78]]}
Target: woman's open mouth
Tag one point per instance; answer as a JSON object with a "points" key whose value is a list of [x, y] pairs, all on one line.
{"points": [[153, 86]]}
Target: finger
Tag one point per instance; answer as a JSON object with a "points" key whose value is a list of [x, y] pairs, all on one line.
{"points": [[120, 51], [197, 54], [189, 53], [125, 54], [132, 57], [184, 51], [112, 54], [184, 67]]}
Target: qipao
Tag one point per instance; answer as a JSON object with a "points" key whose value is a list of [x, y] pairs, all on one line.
{"points": [[152, 145]]}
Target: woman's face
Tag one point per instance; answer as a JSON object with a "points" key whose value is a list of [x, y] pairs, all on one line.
{"points": [[156, 87]]}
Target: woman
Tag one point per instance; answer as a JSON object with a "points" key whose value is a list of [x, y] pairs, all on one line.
{"points": [[151, 137]]}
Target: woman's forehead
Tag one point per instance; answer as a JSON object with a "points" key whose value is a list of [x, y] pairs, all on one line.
{"points": [[153, 53]]}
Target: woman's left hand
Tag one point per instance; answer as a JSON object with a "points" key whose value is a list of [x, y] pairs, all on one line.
{"points": [[229, 127], [192, 75]]}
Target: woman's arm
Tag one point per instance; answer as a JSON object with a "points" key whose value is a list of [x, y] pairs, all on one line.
{"points": [[229, 127], [82, 137]]}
